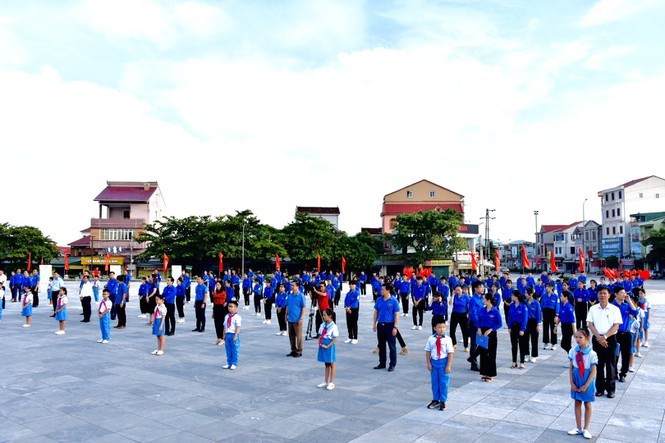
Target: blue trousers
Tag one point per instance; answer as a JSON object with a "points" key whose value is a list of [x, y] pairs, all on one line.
{"points": [[232, 349], [440, 379], [105, 326]]}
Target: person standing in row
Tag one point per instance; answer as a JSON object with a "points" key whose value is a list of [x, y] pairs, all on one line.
{"points": [[475, 306], [144, 290], [268, 300], [328, 336], [232, 336], [567, 320], [518, 316], [169, 302], [352, 306], [86, 298], [533, 324], [603, 321], [489, 321], [158, 329], [26, 311], [628, 310], [200, 300], [257, 290], [386, 321], [418, 296], [104, 314], [296, 309], [459, 317], [582, 299], [280, 307], [439, 362], [550, 308], [439, 309], [121, 302], [180, 294], [112, 286], [55, 290], [219, 311], [61, 311]]}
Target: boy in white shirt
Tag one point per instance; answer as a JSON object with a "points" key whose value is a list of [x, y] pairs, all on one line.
{"points": [[232, 335], [439, 361]]}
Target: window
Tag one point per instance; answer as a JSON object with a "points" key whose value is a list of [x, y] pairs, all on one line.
{"points": [[593, 235], [657, 195], [409, 194], [641, 195], [613, 196], [621, 229], [572, 250], [432, 194], [586, 235], [614, 230], [618, 212], [116, 234], [606, 197], [613, 213], [607, 214], [607, 230], [125, 214], [619, 195]]}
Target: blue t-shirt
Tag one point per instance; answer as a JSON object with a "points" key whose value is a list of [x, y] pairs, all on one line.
{"points": [[294, 304], [386, 309], [567, 313], [491, 319], [351, 299], [201, 291], [169, 294]]}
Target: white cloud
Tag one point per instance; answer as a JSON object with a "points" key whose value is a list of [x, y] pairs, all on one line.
{"points": [[598, 60], [607, 11]]}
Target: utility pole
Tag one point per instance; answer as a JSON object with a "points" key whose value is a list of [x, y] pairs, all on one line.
{"points": [[487, 233], [536, 247]]}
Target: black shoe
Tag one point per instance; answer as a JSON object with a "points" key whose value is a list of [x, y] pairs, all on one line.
{"points": [[85, 321], [196, 330], [475, 368], [53, 315], [380, 367], [297, 355], [391, 368], [433, 404], [622, 378], [290, 354], [470, 360], [442, 406], [202, 330], [600, 394], [610, 395]]}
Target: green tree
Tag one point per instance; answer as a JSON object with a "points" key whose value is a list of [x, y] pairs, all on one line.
{"points": [[308, 236], [359, 255], [657, 242], [17, 242], [431, 234]]}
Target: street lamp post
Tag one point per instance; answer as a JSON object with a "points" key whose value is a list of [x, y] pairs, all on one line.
{"points": [[536, 248], [584, 232]]}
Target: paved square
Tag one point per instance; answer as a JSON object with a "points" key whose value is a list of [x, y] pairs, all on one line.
{"points": [[70, 388]]}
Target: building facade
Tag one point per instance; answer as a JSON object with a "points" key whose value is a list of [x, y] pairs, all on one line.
{"points": [[641, 195], [330, 214]]}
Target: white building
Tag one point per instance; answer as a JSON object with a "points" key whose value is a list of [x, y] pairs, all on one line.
{"points": [[330, 214], [642, 195]]}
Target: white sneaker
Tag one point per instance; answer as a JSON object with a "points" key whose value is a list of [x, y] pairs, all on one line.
{"points": [[160, 353], [420, 328], [100, 340], [414, 327], [527, 358], [534, 360], [586, 434], [548, 346], [631, 369], [104, 342], [268, 322], [330, 386], [226, 367], [25, 326], [233, 367], [553, 348], [154, 352], [638, 355], [322, 385], [645, 344], [285, 333], [279, 333], [141, 316], [264, 321], [354, 342], [575, 432], [348, 340], [60, 332]]}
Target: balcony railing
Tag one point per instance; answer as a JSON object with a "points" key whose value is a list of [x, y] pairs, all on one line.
{"points": [[117, 223]]}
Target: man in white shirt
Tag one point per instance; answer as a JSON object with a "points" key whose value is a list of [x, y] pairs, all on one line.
{"points": [[603, 321], [86, 298], [3, 283]]}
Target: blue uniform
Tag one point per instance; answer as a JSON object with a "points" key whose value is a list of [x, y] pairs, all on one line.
{"points": [[567, 313], [518, 314], [169, 294], [295, 304]]}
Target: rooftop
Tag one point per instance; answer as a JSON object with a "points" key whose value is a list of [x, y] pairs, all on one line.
{"points": [[318, 210], [409, 208], [127, 192]]}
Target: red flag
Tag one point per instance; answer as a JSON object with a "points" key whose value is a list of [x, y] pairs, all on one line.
{"points": [[497, 260], [42, 260], [581, 260], [221, 262], [553, 266], [525, 258], [29, 267], [165, 264], [108, 261], [343, 265], [318, 262], [474, 262], [278, 263], [66, 262]]}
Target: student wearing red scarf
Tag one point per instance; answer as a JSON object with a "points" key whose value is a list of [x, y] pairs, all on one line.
{"points": [[232, 336]]}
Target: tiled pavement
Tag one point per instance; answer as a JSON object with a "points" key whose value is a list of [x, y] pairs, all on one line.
{"points": [[70, 388]]}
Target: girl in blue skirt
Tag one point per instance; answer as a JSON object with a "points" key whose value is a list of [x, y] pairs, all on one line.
{"points": [[61, 311], [158, 324], [328, 335], [583, 363]]}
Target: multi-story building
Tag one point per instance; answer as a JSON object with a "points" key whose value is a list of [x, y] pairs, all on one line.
{"points": [[588, 238], [641, 195], [125, 208], [641, 226], [327, 213], [545, 243]]}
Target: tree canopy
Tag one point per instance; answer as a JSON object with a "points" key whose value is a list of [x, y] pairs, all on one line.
{"points": [[17, 242], [657, 242]]}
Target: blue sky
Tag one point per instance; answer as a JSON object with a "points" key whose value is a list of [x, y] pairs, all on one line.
{"points": [[518, 105]]}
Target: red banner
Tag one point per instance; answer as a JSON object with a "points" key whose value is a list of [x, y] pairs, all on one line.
{"points": [[318, 262], [278, 263], [474, 262], [581, 260], [29, 267], [66, 262], [497, 261], [343, 265], [525, 258], [108, 261], [221, 263], [553, 266], [165, 264]]}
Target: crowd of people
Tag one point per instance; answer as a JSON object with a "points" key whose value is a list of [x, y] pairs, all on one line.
{"points": [[600, 321]]}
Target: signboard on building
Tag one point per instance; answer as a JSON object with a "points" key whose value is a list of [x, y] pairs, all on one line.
{"points": [[447, 262], [611, 247], [468, 229], [101, 261], [635, 240]]}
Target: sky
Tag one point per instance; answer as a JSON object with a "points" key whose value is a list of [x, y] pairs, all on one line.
{"points": [[268, 105]]}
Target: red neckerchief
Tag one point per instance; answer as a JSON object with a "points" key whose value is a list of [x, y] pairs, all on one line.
{"points": [[438, 346], [158, 313], [323, 334], [579, 358], [229, 320]]}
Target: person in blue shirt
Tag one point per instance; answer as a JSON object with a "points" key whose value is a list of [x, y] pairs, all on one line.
{"points": [[550, 308], [235, 281], [280, 307], [187, 281], [386, 321], [247, 288], [581, 296], [34, 284], [518, 316], [496, 296], [439, 308], [459, 317], [533, 324], [112, 286], [362, 281], [230, 292], [376, 287], [16, 286], [489, 321], [351, 306], [268, 300], [404, 288], [572, 281], [475, 305], [296, 309], [337, 284], [418, 294], [443, 289], [567, 320], [144, 290], [180, 299], [257, 290], [200, 301], [121, 300], [169, 301], [628, 309]]}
